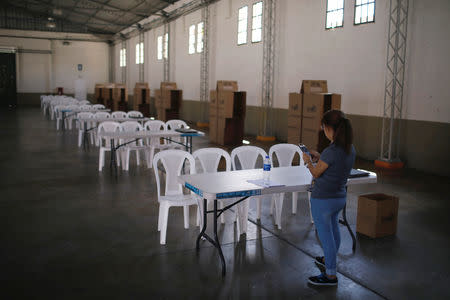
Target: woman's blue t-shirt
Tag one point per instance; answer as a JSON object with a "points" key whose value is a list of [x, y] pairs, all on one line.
{"points": [[332, 182]]}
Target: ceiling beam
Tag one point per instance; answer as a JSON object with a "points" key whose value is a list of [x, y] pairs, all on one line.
{"points": [[120, 9]]}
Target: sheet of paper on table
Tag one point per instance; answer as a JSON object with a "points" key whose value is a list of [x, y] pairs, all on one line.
{"points": [[260, 182]]}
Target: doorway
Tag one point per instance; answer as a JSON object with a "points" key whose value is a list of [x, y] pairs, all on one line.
{"points": [[8, 92]]}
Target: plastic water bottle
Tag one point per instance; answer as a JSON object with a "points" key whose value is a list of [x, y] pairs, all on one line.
{"points": [[266, 170]]}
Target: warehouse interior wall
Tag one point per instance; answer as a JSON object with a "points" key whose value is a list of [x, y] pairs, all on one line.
{"points": [[52, 63], [352, 59]]}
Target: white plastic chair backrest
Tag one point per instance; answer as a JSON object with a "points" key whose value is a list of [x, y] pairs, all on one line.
{"points": [[108, 126], [209, 159], [134, 114], [247, 156], [73, 107], [155, 125], [84, 102], [98, 106], [86, 107], [285, 154], [84, 115], [172, 161], [131, 126], [102, 114], [175, 124], [118, 114]]}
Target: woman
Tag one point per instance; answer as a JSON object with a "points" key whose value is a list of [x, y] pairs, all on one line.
{"points": [[329, 192]]}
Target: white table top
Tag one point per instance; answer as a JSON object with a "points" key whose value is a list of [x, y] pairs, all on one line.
{"points": [[146, 134], [232, 184]]}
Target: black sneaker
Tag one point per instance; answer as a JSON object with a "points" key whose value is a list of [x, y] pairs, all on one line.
{"points": [[320, 260], [322, 279]]}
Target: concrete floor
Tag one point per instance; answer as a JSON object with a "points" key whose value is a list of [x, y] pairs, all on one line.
{"points": [[69, 231]]}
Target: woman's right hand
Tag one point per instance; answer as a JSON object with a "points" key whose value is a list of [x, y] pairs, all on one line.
{"points": [[315, 155]]}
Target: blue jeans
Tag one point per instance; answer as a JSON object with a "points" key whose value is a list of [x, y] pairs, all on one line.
{"points": [[325, 213]]}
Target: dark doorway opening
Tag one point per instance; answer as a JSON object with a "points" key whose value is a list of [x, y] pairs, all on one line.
{"points": [[8, 92]]}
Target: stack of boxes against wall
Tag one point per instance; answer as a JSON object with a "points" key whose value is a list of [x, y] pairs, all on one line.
{"points": [[227, 113], [168, 101], [113, 95], [141, 100], [305, 113]]}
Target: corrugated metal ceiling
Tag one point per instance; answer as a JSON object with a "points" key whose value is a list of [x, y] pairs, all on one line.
{"points": [[83, 16]]}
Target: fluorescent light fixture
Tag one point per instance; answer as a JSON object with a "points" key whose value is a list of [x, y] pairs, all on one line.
{"points": [[57, 11], [187, 127], [151, 118], [245, 142]]}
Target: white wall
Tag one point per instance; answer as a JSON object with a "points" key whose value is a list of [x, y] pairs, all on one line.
{"points": [[352, 59], [93, 56], [42, 72]]}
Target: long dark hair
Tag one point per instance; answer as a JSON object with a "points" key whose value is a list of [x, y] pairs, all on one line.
{"points": [[343, 132]]}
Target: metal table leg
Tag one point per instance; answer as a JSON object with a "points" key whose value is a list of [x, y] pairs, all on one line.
{"points": [[216, 239], [345, 222]]}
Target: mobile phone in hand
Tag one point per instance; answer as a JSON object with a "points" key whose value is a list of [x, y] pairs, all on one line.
{"points": [[304, 149]]}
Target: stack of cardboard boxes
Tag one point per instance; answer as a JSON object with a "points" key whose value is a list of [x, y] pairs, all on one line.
{"points": [[227, 113], [120, 97], [141, 100], [305, 113], [168, 101], [99, 93], [107, 95]]}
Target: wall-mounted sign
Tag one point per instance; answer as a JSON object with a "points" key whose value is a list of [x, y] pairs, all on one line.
{"points": [[80, 67]]}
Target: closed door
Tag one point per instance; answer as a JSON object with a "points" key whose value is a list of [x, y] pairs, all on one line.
{"points": [[8, 93]]}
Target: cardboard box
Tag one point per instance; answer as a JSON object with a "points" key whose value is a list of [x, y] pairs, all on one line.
{"points": [[295, 104], [221, 125], [226, 85], [293, 135], [168, 86], [213, 100], [161, 114], [314, 86], [120, 97], [213, 127], [232, 104], [141, 95], [158, 99], [377, 215], [172, 99], [99, 92], [315, 105], [295, 122]]}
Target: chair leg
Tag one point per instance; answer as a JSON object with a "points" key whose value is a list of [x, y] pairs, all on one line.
{"points": [[222, 216], [200, 212], [101, 158], [137, 157], [160, 213], [80, 137], [186, 216], [294, 202], [242, 209], [309, 203], [199, 217], [150, 154], [165, 215]]}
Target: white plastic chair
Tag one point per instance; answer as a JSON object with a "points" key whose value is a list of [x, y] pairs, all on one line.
{"points": [[118, 114], [86, 107], [70, 116], [177, 124], [131, 126], [84, 126], [173, 161], [285, 154], [98, 106], [99, 115], [105, 143], [84, 102], [134, 114], [209, 159], [154, 143], [247, 156]]}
